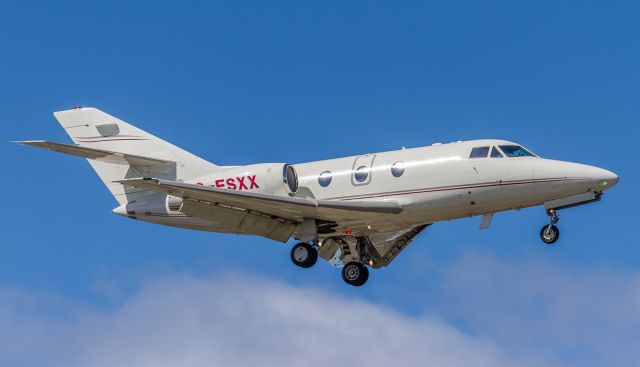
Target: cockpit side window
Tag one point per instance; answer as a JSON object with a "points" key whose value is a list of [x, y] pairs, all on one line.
{"points": [[495, 153], [479, 152], [515, 151]]}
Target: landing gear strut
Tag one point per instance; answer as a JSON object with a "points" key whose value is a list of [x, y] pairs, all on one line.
{"points": [[304, 255], [355, 272], [550, 233]]}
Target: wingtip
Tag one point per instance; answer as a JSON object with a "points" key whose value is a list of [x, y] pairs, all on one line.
{"points": [[26, 142]]}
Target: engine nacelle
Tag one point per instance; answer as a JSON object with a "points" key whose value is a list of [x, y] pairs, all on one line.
{"points": [[268, 178]]}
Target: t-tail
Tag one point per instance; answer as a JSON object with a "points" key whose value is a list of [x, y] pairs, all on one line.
{"points": [[117, 150]]}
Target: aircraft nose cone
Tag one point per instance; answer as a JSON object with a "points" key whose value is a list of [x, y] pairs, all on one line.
{"points": [[603, 179]]}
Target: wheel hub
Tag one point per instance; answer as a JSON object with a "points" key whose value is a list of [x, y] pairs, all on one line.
{"points": [[352, 272], [301, 254], [549, 234]]}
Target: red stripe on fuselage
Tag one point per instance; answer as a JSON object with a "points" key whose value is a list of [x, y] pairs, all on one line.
{"points": [[456, 187]]}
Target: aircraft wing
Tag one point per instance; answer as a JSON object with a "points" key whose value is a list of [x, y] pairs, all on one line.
{"points": [[287, 207], [279, 215]]}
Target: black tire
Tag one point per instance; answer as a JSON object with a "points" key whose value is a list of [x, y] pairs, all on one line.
{"points": [[355, 273], [304, 255], [551, 236]]}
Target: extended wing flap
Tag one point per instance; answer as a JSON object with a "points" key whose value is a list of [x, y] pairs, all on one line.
{"points": [[96, 154], [380, 249], [243, 221], [391, 246]]}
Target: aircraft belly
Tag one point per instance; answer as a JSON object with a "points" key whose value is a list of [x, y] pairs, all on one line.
{"points": [[552, 190], [451, 204]]}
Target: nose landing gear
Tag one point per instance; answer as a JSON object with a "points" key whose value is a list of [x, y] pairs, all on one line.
{"points": [[550, 233]]}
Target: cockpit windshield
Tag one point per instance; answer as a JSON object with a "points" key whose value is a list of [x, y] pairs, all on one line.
{"points": [[515, 151]]}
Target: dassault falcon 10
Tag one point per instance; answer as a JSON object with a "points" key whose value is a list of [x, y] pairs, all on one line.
{"points": [[355, 212]]}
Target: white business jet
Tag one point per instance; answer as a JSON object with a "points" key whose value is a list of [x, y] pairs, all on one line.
{"points": [[355, 212]]}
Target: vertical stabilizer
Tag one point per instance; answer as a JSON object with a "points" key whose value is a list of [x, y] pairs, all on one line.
{"points": [[91, 128]]}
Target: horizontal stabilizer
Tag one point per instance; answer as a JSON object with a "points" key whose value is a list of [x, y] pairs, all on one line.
{"points": [[96, 154]]}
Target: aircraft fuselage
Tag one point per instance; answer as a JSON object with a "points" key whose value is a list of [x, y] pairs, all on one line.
{"points": [[433, 183]]}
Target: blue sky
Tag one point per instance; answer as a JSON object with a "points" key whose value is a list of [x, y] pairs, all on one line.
{"points": [[291, 82]]}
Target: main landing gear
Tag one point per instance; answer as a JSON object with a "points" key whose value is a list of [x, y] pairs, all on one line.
{"points": [[550, 233], [304, 255], [355, 273]]}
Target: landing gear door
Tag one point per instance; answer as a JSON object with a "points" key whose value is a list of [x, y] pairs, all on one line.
{"points": [[362, 173]]}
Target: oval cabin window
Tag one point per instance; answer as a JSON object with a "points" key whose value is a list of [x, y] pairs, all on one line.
{"points": [[325, 178], [397, 169], [361, 173]]}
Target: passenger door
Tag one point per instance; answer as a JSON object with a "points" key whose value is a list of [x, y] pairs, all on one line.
{"points": [[361, 172]]}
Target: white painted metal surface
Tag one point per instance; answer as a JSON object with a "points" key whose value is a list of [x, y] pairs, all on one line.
{"points": [[370, 206]]}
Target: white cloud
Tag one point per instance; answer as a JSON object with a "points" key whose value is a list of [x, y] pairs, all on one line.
{"points": [[230, 321], [588, 315], [515, 313]]}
